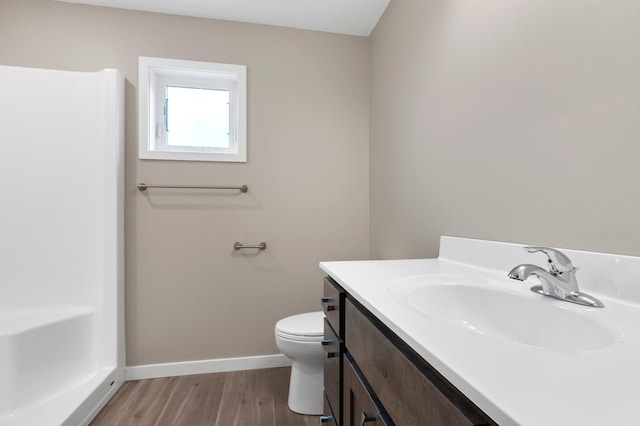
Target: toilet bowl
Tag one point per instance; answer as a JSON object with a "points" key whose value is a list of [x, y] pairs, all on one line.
{"points": [[298, 337]]}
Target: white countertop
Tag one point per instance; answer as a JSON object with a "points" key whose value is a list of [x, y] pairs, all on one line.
{"points": [[515, 383]]}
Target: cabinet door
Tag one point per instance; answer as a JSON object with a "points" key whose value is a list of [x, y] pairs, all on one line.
{"points": [[360, 408]]}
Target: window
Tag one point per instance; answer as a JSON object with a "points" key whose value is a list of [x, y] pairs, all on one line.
{"points": [[193, 111]]}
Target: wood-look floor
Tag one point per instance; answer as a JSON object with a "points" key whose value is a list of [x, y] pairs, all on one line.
{"points": [[238, 398]]}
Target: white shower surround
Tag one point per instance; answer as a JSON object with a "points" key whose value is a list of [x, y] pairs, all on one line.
{"points": [[61, 251]]}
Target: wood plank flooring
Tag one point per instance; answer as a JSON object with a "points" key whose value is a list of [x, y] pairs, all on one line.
{"points": [[238, 398]]}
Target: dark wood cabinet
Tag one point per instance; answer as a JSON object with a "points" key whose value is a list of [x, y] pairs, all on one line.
{"points": [[381, 380]]}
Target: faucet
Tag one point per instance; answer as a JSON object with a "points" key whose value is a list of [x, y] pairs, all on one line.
{"points": [[559, 282]]}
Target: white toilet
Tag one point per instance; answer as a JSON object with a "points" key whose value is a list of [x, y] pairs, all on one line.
{"points": [[298, 337]]}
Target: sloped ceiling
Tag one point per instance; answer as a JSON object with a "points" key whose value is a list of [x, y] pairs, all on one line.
{"points": [[352, 17]]}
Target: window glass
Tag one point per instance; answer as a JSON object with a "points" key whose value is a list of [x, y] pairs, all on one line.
{"points": [[197, 117]]}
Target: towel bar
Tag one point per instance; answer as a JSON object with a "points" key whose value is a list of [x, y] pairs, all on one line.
{"points": [[143, 187]]}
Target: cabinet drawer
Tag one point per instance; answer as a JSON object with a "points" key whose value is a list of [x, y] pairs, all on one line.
{"points": [[412, 392], [360, 407], [332, 303], [332, 346]]}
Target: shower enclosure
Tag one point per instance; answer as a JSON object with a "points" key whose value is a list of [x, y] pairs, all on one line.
{"points": [[61, 244]]}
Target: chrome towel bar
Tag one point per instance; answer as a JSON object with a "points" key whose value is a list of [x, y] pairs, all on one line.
{"points": [[238, 246], [143, 187]]}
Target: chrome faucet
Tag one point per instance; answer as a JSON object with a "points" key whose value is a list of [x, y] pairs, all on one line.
{"points": [[559, 282]]}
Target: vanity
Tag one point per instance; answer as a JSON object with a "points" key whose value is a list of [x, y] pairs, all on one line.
{"points": [[454, 341]]}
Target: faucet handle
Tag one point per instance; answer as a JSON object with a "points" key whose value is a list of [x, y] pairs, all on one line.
{"points": [[559, 261]]}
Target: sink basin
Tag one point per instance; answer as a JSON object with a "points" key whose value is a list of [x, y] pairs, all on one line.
{"points": [[496, 309]]}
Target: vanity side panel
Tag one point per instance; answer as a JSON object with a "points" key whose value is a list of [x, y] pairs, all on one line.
{"points": [[412, 392], [333, 306], [332, 369], [328, 417]]}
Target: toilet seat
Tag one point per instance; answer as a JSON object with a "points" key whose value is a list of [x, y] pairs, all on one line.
{"points": [[298, 338], [307, 327]]}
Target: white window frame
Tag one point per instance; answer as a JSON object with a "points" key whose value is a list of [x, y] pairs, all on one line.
{"points": [[155, 74]]}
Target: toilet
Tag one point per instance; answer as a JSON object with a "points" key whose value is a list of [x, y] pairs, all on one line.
{"points": [[298, 337]]}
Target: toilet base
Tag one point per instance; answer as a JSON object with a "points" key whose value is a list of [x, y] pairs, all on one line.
{"points": [[306, 388]]}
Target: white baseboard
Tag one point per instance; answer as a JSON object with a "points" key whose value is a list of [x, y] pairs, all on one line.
{"points": [[153, 371]]}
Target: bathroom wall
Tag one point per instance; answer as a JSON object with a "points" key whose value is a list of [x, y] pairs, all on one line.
{"points": [[188, 295], [502, 120]]}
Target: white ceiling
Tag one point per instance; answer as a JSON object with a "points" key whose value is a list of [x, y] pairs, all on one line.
{"points": [[353, 17]]}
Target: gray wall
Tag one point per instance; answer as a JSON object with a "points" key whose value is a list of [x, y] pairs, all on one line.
{"points": [[502, 120], [188, 296]]}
